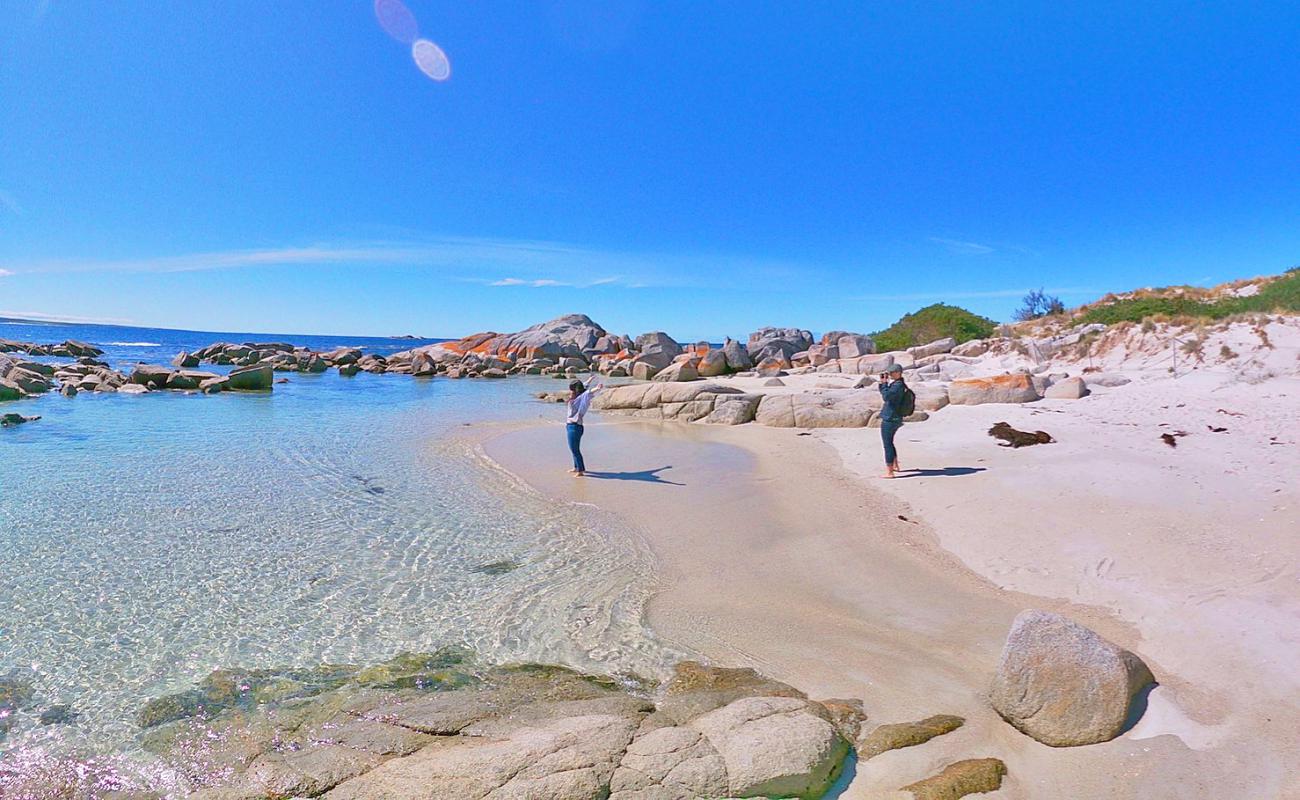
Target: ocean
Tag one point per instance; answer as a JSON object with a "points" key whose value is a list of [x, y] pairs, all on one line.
{"points": [[146, 540]]}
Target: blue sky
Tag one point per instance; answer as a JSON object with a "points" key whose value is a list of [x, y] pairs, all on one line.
{"points": [[702, 168]]}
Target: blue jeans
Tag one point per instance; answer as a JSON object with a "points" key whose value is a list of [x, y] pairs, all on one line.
{"points": [[575, 445], [889, 427]]}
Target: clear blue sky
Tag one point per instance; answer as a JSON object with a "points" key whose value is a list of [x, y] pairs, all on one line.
{"points": [[704, 168]]}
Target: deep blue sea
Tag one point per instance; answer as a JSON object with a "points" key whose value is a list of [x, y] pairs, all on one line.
{"points": [[146, 540]]}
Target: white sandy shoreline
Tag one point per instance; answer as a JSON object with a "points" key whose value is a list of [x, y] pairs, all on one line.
{"points": [[777, 556]]}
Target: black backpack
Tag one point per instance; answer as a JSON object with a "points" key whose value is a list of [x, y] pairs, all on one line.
{"points": [[907, 403]]}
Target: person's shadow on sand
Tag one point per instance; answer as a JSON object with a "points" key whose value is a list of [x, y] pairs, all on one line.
{"points": [[946, 472], [647, 476]]}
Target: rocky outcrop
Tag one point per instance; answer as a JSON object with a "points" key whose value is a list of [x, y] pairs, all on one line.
{"points": [[831, 408], [1063, 684], [10, 418], [778, 343], [69, 348], [1014, 388], [656, 349], [441, 728]]}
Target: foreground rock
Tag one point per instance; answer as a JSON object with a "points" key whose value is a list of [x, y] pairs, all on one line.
{"points": [[974, 776], [1016, 388], [906, 734], [504, 732], [1063, 684]]}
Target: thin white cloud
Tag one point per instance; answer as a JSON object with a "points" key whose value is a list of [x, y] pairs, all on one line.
{"points": [[550, 263], [963, 248], [43, 316], [939, 295], [543, 283], [4, 273]]}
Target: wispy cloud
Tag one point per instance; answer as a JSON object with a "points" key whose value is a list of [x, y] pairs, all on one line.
{"points": [[43, 316], [542, 283], [4, 273], [529, 263], [963, 248], [940, 294], [483, 261]]}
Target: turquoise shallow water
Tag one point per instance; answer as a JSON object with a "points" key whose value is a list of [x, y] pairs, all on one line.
{"points": [[147, 540]]}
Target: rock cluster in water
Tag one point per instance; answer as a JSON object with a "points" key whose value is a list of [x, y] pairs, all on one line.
{"points": [[439, 727], [940, 372]]}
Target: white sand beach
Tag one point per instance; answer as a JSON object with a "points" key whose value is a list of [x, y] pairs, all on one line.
{"points": [[782, 550]]}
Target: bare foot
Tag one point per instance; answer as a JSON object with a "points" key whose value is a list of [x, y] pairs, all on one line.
{"points": [[578, 474], [889, 473]]}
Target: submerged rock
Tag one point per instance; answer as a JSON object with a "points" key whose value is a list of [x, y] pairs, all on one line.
{"points": [[528, 731], [1063, 684], [497, 567], [15, 419]]}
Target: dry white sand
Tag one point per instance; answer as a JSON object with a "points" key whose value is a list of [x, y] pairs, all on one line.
{"points": [[784, 552]]}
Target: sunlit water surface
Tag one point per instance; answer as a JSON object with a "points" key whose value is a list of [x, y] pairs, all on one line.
{"points": [[147, 540]]}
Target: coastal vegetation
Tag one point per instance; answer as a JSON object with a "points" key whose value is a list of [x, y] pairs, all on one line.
{"points": [[938, 321], [1271, 295]]}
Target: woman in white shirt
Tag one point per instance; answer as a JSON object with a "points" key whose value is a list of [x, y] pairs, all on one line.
{"points": [[579, 402]]}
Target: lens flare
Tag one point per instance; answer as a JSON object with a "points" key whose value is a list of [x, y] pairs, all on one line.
{"points": [[431, 60], [397, 20]]}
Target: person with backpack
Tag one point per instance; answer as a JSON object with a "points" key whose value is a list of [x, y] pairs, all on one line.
{"points": [[899, 402]]}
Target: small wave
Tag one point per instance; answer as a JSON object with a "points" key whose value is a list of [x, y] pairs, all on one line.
{"points": [[133, 344]]}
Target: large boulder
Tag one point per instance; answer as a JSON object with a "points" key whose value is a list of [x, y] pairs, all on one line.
{"points": [[189, 379], [933, 348], [657, 349], [772, 366], [733, 410], [782, 342], [854, 345], [644, 370], [185, 360], [842, 408], [738, 358], [712, 363], [1063, 684], [1067, 389], [679, 371], [1014, 388], [151, 375], [29, 381], [9, 389], [254, 378], [773, 746]]}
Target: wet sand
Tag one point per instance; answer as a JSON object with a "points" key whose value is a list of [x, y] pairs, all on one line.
{"points": [[773, 555]]}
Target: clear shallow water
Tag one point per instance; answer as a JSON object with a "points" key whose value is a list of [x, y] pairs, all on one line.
{"points": [[147, 540]]}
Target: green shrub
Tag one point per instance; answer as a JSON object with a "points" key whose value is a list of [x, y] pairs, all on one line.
{"points": [[1282, 294], [933, 322]]}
